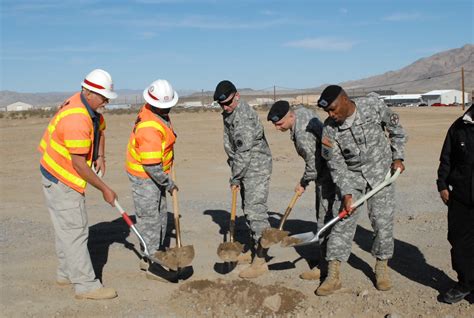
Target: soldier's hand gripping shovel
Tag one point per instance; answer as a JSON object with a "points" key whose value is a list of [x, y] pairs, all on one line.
{"points": [[230, 251], [179, 256], [271, 236], [145, 253], [310, 237]]}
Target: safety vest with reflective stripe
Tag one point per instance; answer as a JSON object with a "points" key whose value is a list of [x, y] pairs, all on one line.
{"points": [[69, 132], [151, 142]]}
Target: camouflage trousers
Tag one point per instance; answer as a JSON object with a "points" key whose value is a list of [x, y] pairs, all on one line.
{"points": [[381, 211], [151, 211], [327, 203], [254, 193]]}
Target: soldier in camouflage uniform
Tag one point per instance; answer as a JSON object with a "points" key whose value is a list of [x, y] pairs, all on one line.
{"points": [[359, 154], [250, 160], [149, 160], [306, 132]]}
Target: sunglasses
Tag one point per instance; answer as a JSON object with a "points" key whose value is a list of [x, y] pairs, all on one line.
{"points": [[228, 102]]}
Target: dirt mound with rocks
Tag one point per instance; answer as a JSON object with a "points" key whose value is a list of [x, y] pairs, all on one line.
{"points": [[224, 298]]}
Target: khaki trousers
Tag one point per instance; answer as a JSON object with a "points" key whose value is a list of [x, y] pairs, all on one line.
{"points": [[68, 214]]}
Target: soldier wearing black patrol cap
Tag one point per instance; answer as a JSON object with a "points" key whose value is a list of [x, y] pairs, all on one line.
{"points": [[359, 155], [305, 131], [250, 161]]}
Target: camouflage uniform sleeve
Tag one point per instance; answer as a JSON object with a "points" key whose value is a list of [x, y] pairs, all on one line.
{"points": [[306, 147], [159, 176], [396, 133], [228, 148], [243, 142], [335, 161]]}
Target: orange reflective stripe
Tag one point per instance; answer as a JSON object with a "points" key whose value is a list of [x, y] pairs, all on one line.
{"points": [[43, 144], [78, 143], [135, 167], [132, 151], [60, 149], [63, 172], [153, 124], [151, 155]]}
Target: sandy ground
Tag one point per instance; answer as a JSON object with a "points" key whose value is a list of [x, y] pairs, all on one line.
{"points": [[420, 268]]}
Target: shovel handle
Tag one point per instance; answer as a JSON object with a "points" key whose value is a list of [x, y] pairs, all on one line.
{"points": [[176, 209], [288, 210], [233, 211], [132, 226]]}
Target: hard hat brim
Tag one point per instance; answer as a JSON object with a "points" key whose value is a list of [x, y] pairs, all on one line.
{"points": [[158, 104], [106, 93]]}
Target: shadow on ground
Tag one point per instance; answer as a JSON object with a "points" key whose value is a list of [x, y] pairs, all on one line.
{"points": [[104, 234], [242, 234], [407, 260]]}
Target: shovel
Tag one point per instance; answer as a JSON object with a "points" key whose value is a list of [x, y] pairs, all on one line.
{"points": [[179, 256], [229, 251], [145, 253], [271, 236], [310, 238]]}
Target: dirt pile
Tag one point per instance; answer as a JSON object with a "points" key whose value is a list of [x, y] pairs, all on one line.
{"points": [[236, 298]]}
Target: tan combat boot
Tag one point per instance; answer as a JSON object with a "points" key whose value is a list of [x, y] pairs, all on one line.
{"points": [[245, 258], [382, 278], [98, 294], [313, 274], [332, 281], [257, 268]]}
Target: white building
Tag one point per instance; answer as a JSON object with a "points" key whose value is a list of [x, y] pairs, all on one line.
{"points": [[402, 99], [444, 96], [118, 106], [18, 106]]}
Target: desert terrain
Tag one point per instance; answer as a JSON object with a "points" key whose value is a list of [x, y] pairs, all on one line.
{"points": [[420, 269]]}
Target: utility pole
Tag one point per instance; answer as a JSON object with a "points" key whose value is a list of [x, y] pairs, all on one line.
{"points": [[274, 93], [462, 86]]}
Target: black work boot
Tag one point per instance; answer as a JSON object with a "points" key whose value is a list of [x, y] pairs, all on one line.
{"points": [[455, 294]]}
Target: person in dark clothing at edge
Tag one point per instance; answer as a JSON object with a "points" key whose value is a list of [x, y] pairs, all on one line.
{"points": [[456, 188]]}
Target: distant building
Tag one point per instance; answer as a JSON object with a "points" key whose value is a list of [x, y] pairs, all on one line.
{"points": [[310, 99], [118, 106], [386, 92], [402, 100], [18, 106], [444, 97], [3, 109], [192, 104], [261, 101]]}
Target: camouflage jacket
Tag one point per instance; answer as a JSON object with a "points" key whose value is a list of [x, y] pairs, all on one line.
{"points": [[306, 136], [362, 153], [245, 144]]}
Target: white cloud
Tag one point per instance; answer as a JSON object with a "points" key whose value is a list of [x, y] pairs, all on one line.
{"points": [[407, 16], [323, 44]]}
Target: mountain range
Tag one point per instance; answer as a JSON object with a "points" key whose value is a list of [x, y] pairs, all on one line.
{"points": [[439, 71]]}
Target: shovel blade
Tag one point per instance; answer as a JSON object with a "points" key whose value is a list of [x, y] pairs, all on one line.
{"points": [[299, 239], [176, 257], [168, 258], [272, 236], [229, 251], [185, 255]]}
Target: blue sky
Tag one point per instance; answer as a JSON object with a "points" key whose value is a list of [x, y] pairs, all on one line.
{"points": [[51, 45]]}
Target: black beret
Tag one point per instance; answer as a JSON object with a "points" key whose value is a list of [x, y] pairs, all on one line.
{"points": [[328, 96], [223, 90], [278, 111]]}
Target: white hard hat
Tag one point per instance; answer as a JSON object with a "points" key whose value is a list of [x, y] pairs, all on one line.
{"points": [[100, 81], [160, 94]]}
